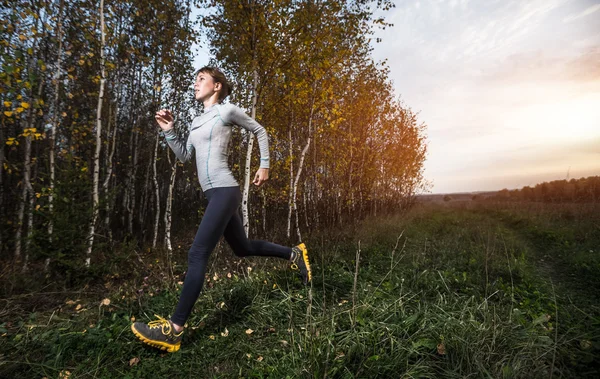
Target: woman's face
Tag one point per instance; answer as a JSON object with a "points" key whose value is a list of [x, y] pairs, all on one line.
{"points": [[205, 86]]}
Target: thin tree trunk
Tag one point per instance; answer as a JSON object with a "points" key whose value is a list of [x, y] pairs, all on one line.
{"points": [[95, 199], [157, 192], [27, 188], [129, 198], [305, 207], [144, 200], [264, 211], [56, 80], [249, 157], [24, 193], [301, 163], [109, 167], [169, 206], [132, 194], [290, 197]]}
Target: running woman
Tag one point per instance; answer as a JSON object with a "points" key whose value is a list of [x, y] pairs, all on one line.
{"points": [[208, 139]]}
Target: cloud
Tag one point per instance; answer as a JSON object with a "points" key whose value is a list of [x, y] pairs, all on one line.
{"points": [[534, 66], [586, 12]]}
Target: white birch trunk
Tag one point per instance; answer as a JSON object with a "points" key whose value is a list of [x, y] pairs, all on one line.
{"points": [[27, 193], [290, 197], [27, 179], [169, 207], [301, 163], [24, 193], [95, 199], [109, 167], [247, 177], [294, 190], [131, 201], [56, 82], [156, 193]]}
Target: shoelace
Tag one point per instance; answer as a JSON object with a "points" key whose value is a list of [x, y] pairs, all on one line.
{"points": [[161, 323], [294, 265]]}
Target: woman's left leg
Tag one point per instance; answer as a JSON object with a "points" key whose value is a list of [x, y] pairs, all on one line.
{"points": [[235, 235]]}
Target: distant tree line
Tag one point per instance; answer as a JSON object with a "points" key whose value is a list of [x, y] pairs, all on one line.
{"points": [[583, 190]]}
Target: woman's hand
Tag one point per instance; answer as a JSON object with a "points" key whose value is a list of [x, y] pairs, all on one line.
{"points": [[262, 175], [164, 119]]}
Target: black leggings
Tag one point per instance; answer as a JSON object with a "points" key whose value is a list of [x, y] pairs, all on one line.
{"points": [[221, 218]]}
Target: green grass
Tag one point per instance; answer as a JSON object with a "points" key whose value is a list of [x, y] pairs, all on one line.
{"points": [[470, 290]]}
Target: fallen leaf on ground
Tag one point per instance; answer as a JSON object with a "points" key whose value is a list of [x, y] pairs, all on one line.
{"points": [[134, 361], [249, 331], [441, 349]]}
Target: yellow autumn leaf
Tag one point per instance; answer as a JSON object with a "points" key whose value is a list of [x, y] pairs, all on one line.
{"points": [[25, 105], [19, 97], [249, 331], [81, 62], [8, 104], [20, 109], [211, 337], [38, 195], [37, 207], [8, 113], [22, 37]]}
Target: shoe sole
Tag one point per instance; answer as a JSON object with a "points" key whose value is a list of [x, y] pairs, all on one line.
{"points": [[157, 344], [305, 259]]}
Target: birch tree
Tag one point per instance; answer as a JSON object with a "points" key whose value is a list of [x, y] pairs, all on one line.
{"points": [[95, 197]]}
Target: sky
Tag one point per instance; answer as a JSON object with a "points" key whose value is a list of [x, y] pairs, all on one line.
{"points": [[509, 89]]}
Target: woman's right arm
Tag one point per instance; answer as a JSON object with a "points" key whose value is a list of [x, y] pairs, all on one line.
{"points": [[182, 150]]}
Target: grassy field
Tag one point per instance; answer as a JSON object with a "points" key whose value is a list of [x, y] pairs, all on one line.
{"points": [[450, 290]]}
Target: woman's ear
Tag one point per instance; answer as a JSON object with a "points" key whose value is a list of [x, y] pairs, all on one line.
{"points": [[218, 86]]}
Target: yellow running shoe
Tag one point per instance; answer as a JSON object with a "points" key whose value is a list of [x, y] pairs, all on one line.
{"points": [[300, 262], [159, 333]]}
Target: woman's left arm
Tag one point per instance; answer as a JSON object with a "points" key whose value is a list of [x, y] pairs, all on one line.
{"points": [[237, 116]]}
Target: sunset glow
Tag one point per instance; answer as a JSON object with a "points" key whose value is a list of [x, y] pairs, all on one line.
{"points": [[510, 91]]}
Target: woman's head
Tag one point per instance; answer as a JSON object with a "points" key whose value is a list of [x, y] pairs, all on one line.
{"points": [[211, 80]]}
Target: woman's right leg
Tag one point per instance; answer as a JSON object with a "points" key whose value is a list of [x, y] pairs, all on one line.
{"points": [[221, 205]]}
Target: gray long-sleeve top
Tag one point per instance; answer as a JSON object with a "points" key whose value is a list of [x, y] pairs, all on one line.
{"points": [[209, 136]]}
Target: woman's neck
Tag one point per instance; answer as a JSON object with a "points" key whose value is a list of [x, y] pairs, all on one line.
{"points": [[209, 103]]}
